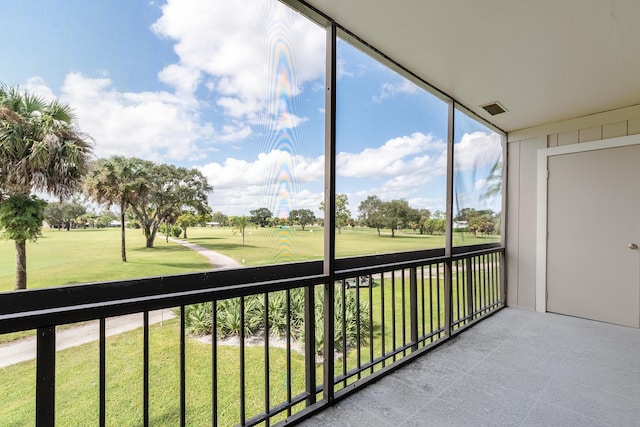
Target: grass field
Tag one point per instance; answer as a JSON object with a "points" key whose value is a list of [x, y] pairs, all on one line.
{"points": [[77, 382], [290, 244], [83, 256]]}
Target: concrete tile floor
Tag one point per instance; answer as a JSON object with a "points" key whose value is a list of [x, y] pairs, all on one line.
{"points": [[517, 368]]}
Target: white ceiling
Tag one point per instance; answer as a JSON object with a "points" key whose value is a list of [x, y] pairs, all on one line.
{"points": [[543, 60]]}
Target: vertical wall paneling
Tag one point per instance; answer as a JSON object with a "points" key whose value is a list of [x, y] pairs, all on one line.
{"points": [[566, 138], [590, 134], [513, 206], [527, 220], [614, 130], [633, 126]]}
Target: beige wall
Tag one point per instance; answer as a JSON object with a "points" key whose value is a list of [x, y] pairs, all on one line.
{"points": [[522, 150]]}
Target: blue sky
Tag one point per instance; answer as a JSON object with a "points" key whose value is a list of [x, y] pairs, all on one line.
{"points": [[236, 89]]}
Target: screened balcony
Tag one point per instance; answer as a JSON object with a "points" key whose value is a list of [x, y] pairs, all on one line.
{"points": [[433, 335]]}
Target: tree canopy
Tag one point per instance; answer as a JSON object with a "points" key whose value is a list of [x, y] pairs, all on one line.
{"points": [[168, 189], [64, 215], [41, 151], [117, 181], [370, 210], [261, 216], [343, 214], [302, 217], [396, 214]]}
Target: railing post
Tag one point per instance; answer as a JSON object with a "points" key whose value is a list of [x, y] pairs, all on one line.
{"points": [[46, 376], [448, 310], [502, 268], [469, 268], [329, 344], [309, 348], [413, 307]]}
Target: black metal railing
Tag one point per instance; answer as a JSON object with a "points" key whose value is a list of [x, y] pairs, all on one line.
{"points": [[301, 338]]}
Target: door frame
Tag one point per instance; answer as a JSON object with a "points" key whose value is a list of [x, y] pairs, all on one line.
{"points": [[541, 203]]}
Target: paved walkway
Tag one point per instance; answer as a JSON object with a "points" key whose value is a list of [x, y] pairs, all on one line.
{"points": [[217, 259], [25, 349]]}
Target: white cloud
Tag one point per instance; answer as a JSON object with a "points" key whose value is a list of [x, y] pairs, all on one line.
{"points": [[241, 185], [389, 90], [391, 159], [231, 133], [405, 167], [309, 200], [253, 57], [264, 171], [252, 54], [37, 86], [476, 150], [433, 204], [480, 184], [184, 80], [474, 156], [151, 125]]}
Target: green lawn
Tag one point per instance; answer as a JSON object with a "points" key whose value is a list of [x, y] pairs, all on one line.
{"points": [[290, 244], [83, 256], [77, 382]]}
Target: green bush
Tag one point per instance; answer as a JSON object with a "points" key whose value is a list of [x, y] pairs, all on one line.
{"points": [[174, 230], [198, 317]]}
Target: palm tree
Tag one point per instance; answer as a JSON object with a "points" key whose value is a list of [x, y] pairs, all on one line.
{"points": [[240, 224], [117, 180], [493, 181], [41, 151]]}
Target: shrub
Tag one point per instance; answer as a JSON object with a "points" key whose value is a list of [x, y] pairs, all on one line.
{"points": [[228, 316], [174, 230], [198, 317]]}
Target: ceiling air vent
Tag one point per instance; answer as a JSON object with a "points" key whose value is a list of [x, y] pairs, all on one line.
{"points": [[494, 108]]}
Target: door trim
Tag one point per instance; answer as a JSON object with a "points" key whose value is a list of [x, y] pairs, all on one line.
{"points": [[541, 203]]}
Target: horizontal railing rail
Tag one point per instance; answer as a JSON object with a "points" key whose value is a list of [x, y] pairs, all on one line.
{"points": [[385, 310]]}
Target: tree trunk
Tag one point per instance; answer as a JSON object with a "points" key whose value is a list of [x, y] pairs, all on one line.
{"points": [[21, 264], [123, 249], [149, 238], [150, 235], [184, 236]]}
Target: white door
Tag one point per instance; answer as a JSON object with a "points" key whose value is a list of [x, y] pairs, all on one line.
{"points": [[593, 217]]}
